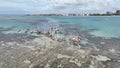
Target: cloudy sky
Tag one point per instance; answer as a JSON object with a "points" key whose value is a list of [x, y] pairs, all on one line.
{"points": [[57, 6]]}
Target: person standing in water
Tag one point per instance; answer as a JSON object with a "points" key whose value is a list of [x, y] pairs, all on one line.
{"points": [[19, 31], [78, 39], [27, 30]]}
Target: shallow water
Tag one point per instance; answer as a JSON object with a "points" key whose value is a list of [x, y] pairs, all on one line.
{"points": [[103, 26], [107, 27]]}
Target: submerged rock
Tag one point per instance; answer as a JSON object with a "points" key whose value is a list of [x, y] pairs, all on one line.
{"points": [[65, 57], [30, 54]]}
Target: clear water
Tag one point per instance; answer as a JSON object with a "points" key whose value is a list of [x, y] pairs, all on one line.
{"points": [[105, 26]]}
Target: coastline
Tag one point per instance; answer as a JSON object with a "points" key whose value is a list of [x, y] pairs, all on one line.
{"points": [[29, 51], [41, 52]]}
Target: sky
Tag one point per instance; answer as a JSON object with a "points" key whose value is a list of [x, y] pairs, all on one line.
{"points": [[57, 6]]}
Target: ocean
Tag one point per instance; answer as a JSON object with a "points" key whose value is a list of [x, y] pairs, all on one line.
{"points": [[99, 45], [106, 26]]}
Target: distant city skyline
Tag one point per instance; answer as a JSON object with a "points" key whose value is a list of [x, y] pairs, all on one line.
{"points": [[57, 6]]}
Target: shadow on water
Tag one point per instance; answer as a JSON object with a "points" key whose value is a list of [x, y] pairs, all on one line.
{"points": [[101, 43], [67, 29], [7, 29], [31, 21], [14, 37]]}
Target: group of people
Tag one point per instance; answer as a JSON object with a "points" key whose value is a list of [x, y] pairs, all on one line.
{"points": [[54, 33], [76, 40], [34, 31]]}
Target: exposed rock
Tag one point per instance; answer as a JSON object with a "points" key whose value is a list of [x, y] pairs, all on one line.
{"points": [[101, 58], [27, 61], [112, 50], [33, 54], [119, 61]]}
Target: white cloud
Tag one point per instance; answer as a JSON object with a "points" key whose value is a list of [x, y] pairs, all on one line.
{"points": [[60, 6], [84, 5], [34, 1], [10, 4]]}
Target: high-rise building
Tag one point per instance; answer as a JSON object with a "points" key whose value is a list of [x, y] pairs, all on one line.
{"points": [[118, 12], [108, 13]]}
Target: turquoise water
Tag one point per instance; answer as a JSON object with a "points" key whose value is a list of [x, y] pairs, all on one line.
{"points": [[104, 26], [18, 25]]}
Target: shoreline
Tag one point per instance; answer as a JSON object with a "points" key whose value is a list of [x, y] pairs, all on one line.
{"points": [[25, 50]]}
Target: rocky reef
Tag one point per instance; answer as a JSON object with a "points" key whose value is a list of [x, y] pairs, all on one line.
{"points": [[45, 53]]}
